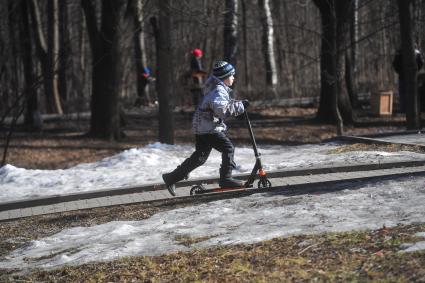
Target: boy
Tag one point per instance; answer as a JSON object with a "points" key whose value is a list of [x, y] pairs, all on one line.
{"points": [[210, 130]]}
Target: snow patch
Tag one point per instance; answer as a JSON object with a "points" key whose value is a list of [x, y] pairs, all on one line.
{"points": [[139, 166]]}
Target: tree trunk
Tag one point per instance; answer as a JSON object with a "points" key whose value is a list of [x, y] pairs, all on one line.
{"points": [[245, 47], [230, 31], [48, 53], [328, 64], [165, 74], [342, 13], [80, 73], [64, 47], [333, 16], [351, 55], [113, 29], [291, 68], [13, 84], [268, 44], [354, 34], [140, 52], [53, 52], [349, 79], [409, 67], [32, 116], [327, 71], [107, 67]]}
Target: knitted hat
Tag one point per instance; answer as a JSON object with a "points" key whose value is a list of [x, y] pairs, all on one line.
{"points": [[146, 72], [197, 52], [222, 69]]}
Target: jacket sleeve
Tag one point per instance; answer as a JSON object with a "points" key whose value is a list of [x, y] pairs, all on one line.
{"points": [[224, 107]]}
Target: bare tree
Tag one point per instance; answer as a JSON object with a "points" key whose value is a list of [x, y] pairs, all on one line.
{"points": [[32, 116], [409, 67], [165, 73], [230, 31], [13, 84], [140, 52], [328, 62], [286, 46], [107, 67], [351, 53], [48, 52], [63, 49], [268, 44], [245, 46], [334, 37]]}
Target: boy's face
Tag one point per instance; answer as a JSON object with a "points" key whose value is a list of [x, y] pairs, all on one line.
{"points": [[229, 80]]}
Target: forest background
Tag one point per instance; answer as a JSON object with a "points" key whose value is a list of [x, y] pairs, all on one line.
{"points": [[88, 56]]}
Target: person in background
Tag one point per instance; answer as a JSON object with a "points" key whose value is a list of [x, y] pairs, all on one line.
{"points": [[197, 75], [210, 130], [397, 65], [146, 79]]}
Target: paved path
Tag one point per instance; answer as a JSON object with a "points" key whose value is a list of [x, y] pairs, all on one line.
{"points": [[157, 193]]}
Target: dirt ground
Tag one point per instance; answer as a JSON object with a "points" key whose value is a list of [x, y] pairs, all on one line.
{"points": [[63, 144]]}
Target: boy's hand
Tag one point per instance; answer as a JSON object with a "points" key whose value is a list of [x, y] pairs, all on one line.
{"points": [[245, 103]]}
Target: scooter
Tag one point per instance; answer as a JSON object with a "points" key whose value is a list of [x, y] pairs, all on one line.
{"points": [[263, 182]]}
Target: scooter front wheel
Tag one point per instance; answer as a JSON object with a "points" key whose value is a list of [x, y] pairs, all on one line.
{"points": [[196, 190], [264, 183]]}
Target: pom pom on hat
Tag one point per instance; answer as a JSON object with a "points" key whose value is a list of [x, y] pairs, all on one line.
{"points": [[223, 69], [197, 52]]}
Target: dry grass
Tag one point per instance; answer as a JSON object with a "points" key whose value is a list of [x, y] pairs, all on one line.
{"points": [[341, 257], [376, 147]]}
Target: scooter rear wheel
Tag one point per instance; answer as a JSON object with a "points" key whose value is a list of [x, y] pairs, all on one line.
{"points": [[196, 190], [264, 183]]}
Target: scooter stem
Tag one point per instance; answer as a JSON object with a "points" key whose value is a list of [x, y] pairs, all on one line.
{"points": [[258, 167], [251, 134]]}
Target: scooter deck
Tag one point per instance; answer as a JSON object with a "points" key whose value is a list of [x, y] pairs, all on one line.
{"points": [[200, 189]]}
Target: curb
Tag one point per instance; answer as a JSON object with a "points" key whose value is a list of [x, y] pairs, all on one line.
{"points": [[371, 140], [296, 189]]}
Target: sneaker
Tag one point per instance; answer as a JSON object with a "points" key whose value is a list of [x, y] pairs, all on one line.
{"points": [[170, 187]]}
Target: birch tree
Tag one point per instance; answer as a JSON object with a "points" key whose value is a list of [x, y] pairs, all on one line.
{"points": [[48, 52], [268, 43]]}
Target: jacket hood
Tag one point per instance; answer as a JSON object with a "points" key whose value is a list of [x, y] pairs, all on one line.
{"points": [[212, 82]]}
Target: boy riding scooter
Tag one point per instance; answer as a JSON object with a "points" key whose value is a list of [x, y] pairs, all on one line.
{"points": [[210, 130]]}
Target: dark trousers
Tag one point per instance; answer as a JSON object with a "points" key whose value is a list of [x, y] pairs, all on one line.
{"points": [[204, 144], [196, 97]]}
